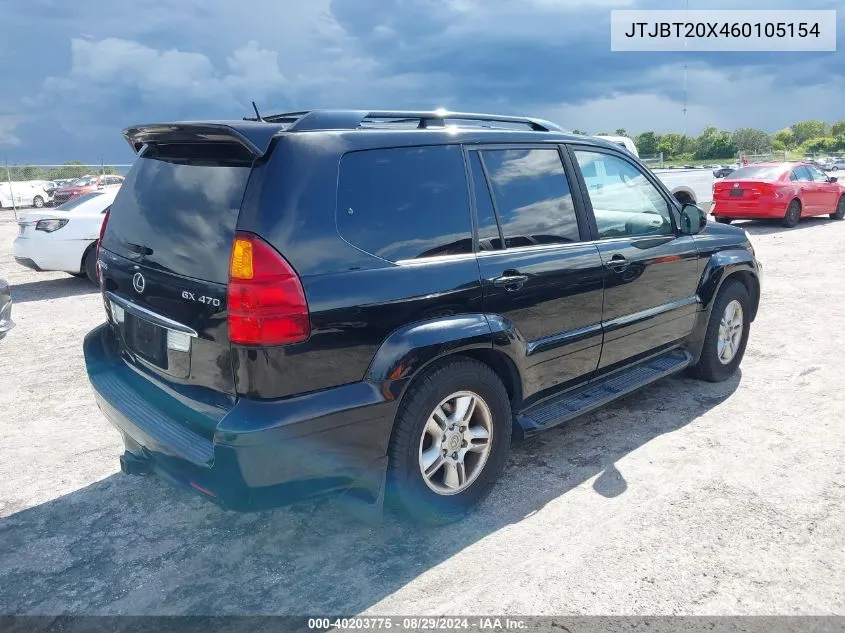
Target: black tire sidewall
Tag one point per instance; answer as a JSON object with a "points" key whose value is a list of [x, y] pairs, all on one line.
{"points": [[788, 221], [89, 264], [709, 366], [407, 492], [839, 214]]}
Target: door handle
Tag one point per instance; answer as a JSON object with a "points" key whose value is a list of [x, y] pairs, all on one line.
{"points": [[510, 282], [618, 263]]}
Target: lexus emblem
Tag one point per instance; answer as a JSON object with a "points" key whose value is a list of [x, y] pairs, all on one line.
{"points": [[138, 282]]}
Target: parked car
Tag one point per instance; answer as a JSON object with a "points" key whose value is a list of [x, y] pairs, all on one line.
{"points": [[64, 238], [6, 322], [394, 305], [722, 172], [30, 193], [86, 184], [785, 191], [835, 165]]}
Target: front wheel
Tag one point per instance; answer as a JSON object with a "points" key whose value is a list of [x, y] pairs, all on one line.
{"points": [[840, 210], [727, 334], [38, 202], [792, 215], [450, 442]]}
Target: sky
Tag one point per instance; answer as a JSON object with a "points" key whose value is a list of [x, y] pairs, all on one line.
{"points": [[74, 74]]}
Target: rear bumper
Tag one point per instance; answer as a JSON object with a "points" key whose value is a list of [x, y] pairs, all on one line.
{"points": [[262, 454], [45, 252], [749, 210]]}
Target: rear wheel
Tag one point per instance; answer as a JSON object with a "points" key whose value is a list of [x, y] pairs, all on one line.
{"points": [[840, 210], [450, 442], [722, 220], [727, 334], [792, 215], [89, 264]]}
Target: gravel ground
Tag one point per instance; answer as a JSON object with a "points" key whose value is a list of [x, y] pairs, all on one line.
{"points": [[686, 498]]}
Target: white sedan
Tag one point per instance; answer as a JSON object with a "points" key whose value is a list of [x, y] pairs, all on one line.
{"points": [[65, 237]]}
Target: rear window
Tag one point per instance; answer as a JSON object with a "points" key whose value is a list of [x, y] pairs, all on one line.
{"points": [[767, 172], [68, 206], [179, 206], [405, 203]]}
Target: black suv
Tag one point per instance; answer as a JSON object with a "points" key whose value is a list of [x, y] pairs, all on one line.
{"points": [[330, 301]]}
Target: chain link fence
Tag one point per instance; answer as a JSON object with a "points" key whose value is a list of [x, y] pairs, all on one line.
{"points": [[653, 161], [26, 186]]}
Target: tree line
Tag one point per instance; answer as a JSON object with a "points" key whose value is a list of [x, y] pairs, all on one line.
{"points": [[69, 169], [807, 137]]}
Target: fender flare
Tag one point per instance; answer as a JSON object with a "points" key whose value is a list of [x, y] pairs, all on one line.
{"points": [[408, 350], [722, 266]]}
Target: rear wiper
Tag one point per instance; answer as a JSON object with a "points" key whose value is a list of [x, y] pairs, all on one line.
{"points": [[140, 249]]}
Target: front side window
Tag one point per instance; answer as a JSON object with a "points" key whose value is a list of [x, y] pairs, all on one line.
{"points": [[405, 203], [532, 196], [624, 201], [817, 175]]}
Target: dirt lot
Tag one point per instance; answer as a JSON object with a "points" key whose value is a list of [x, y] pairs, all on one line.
{"points": [[684, 498]]}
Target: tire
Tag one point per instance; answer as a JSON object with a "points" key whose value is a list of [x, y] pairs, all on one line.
{"points": [[38, 202], [408, 490], [722, 220], [89, 265], [840, 210], [710, 366], [792, 215]]}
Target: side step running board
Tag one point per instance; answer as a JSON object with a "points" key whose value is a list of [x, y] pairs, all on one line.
{"points": [[571, 404]]}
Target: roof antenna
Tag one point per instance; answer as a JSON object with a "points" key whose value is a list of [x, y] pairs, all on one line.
{"points": [[257, 115]]}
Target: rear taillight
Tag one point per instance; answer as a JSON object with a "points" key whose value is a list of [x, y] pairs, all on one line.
{"points": [[100, 240], [763, 189], [266, 301]]}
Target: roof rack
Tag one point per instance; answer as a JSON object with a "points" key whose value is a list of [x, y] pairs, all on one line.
{"points": [[354, 119]]}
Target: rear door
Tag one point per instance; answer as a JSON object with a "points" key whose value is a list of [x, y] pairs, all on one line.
{"points": [[808, 191], [538, 270], [650, 269], [165, 257]]}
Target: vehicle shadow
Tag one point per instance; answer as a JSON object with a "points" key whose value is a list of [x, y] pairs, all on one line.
{"points": [[131, 545], [767, 227], [52, 289]]}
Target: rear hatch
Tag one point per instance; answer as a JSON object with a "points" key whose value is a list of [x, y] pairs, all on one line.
{"points": [[164, 261]]}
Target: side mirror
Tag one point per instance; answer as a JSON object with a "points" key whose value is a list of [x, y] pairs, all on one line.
{"points": [[832, 179], [693, 219]]}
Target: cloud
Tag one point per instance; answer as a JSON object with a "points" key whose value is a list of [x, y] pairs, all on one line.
{"points": [[83, 79], [8, 125]]}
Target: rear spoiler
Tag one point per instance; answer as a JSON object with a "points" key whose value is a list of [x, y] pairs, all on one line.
{"points": [[255, 137]]}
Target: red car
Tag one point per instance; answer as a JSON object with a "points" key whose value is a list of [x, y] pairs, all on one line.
{"points": [[86, 184], [784, 191]]}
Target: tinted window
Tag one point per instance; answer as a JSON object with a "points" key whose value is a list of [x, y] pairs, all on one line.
{"points": [[624, 201], [405, 203], [816, 174], [532, 196], [181, 202], [488, 229], [765, 172]]}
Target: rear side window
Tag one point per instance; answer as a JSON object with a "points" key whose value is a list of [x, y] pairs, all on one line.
{"points": [[532, 196], [179, 206], [405, 203], [488, 228]]}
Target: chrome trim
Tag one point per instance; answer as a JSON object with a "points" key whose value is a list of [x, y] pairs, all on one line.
{"points": [[434, 260], [149, 315], [564, 338]]}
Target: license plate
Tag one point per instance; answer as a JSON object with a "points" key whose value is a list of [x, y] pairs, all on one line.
{"points": [[736, 192], [148, 341]]}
